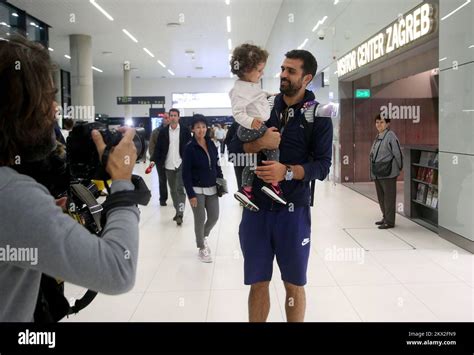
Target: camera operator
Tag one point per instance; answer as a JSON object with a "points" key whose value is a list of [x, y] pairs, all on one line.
{"points": [[29, 216]]}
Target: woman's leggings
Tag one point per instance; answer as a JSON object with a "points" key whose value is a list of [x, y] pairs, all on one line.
{"points": [[203, 227]]}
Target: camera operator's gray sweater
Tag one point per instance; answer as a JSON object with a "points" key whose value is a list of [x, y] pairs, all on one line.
{"points": [[31, 222]]}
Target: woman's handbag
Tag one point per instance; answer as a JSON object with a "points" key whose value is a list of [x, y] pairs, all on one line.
{"points": [[221, 187], [381, 169]]}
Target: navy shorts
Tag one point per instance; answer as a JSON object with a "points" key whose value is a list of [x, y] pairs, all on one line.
{"points": [[284, 234]]}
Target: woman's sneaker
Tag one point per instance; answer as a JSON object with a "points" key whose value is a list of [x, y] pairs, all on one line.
{"points": [[247, 199], [275, 193], [204, 255]]}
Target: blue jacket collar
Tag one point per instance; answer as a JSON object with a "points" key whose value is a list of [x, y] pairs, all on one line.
{"points": [[195, 142], [280, 104]]}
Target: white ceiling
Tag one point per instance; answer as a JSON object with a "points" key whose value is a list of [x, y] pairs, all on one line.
{"points": [[278, 25]]}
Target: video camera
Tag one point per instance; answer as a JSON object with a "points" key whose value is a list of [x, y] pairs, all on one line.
{"points": [[82, 156]]}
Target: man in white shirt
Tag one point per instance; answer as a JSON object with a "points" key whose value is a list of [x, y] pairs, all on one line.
{"points": [[168, 152]]}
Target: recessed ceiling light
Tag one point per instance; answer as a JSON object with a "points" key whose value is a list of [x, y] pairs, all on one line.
{"points": [[67, 56], [320, 22], [227, 2], [161, 63], [14, 14], [50, 49], [229, 44], [98, 7], [97, 69], [149, 53], [229, 28], [130, 35], [169, 71]]}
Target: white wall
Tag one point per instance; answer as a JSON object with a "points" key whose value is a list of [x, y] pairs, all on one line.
{"points": [[106, 91]]}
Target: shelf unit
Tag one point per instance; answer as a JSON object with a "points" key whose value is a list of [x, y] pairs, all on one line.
{"points": [[419, 211]]}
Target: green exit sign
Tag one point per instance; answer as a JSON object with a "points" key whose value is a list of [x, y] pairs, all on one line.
{"points": [[362, 93]]}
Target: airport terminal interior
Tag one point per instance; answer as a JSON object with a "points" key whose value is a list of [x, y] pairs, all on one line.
{"points": [[129, 62]]}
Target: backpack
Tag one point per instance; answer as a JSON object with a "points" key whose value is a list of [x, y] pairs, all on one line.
{"points": [[311, 110]]}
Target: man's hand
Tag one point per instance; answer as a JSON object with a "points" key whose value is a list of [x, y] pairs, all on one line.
{"points": [[122, 157], [271, 171], [256, 124], [270, 140], [193, 202]]}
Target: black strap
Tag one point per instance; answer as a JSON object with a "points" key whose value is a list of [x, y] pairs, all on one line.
{"points": [[377, 153], [105, 155]]}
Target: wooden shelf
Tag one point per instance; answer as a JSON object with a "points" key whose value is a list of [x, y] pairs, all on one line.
{"points": [[424, 205], [425, 166], [426, 183]]}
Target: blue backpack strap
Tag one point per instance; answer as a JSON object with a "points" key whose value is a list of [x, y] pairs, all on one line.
{"points": [[312, 113]]}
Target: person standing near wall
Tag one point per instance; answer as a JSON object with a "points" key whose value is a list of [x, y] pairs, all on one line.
{"points": [[168, 153], [160, 169], [201, 169], [386, 162]]}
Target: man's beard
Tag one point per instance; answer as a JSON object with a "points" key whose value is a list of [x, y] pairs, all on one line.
{"points": [[291, 89]]}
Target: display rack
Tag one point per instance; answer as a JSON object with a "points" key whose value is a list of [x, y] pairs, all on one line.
{"points": [[421, 185]]}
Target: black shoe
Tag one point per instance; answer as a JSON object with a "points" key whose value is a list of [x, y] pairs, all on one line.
{"points": [[175, 216], [162, 203], [379, 223], [179, 220], [386, 226]]}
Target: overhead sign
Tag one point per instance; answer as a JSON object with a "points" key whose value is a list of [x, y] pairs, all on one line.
{"points": [[140, 100], [362, 93], [407, 29]]}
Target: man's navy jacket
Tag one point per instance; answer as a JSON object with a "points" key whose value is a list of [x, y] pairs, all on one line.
{"points": [[163, 144], [315, 157]]}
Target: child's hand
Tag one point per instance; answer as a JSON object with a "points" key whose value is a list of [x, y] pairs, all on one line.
{"points": [[256, 123]]}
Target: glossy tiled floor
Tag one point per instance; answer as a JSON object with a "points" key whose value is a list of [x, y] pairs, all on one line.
{"points": [[356, 273]]}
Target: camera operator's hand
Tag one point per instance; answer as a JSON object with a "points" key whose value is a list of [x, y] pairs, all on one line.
{"points": [[122, 157]]}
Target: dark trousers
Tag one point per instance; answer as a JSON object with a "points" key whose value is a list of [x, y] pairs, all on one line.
{"points": [[162, 182], [178, 194], [221, 141], [387, 196]]}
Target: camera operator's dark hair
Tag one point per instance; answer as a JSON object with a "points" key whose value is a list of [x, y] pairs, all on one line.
{"points": [[310, 65], [27, 92], [175, 110]]}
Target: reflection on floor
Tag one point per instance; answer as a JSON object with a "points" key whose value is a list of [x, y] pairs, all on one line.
{"points": [[356, 272], [368, 190]]}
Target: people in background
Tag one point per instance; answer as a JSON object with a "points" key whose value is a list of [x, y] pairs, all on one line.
{"points": [[386, 163], [68, 124], [278, 230], [220, 136], [201, 169], [168, 152], [251, 110], [160, 169]]}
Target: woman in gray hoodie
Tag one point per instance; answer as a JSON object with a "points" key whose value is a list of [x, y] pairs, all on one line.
{"points": [[386, 162]]}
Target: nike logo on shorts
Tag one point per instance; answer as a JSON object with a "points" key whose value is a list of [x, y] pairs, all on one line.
{"points": [[305, 241]]}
